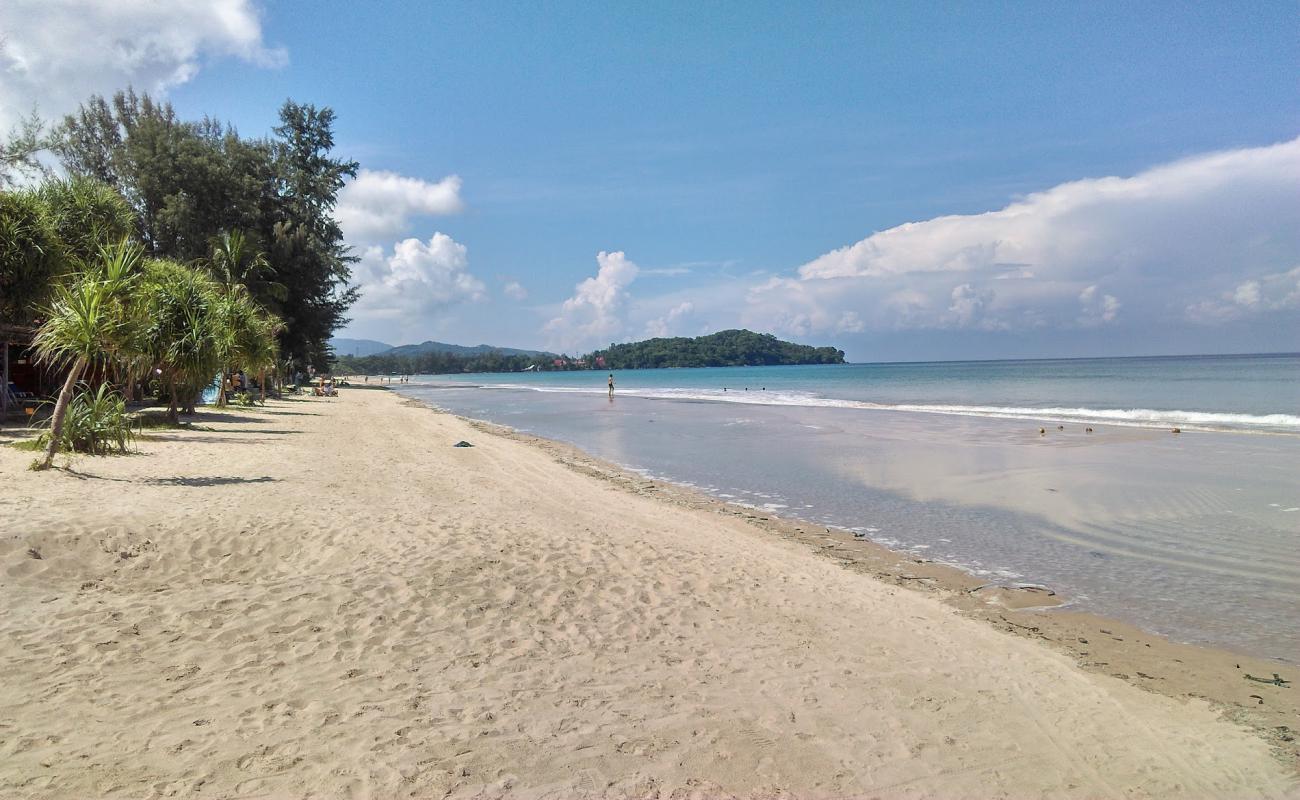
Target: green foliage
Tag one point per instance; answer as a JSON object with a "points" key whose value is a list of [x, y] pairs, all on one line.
{"points": [[91, 317], [307, 248], [190, 183], [731, 348], [237, 264], [243, 399], [96, 423], [31, 258], [722, 349], [439, 363], [86, 215], [182, 332], [18, 151]]}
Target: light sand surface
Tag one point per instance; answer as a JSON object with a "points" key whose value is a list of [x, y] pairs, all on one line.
{"points": [[326, 599]]}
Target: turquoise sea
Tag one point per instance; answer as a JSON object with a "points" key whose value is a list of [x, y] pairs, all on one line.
{"points": [[1195, 535]]}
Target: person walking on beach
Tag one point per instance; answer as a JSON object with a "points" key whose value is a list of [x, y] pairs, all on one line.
{"points": [[611, 384]]}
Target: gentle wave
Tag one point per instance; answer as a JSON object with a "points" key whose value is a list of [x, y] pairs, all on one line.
{"points": [[1131, 417], [1144, 417]]}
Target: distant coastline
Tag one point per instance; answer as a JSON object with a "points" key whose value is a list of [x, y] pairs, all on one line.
{"points": [[721, 349]]}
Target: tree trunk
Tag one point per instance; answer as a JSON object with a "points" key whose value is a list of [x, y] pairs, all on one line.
{"points": [[221, 389], [171, 408], [61, 412], [261, 383]]}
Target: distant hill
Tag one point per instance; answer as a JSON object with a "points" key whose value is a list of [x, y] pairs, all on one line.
{"points": [[722, 349], [458, 350], [731, 348], [358, 347]]}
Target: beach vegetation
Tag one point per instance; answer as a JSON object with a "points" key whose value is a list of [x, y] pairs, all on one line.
{"points": [[20, 151], [173, 251], [96, 423], [256, 210], [31, 258], [89, 319]]}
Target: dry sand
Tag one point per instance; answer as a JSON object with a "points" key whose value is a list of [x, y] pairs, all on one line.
{"points": [[326, 599]]}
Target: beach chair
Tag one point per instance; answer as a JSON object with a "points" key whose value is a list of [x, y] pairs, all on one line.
{"points": [[19, 401]]}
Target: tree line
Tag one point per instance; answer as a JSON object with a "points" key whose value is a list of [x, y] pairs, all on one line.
{"points": [[188, 183], [723, 349], [730, 348], [173, 251]]}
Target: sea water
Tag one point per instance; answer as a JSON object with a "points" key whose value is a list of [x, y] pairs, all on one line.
{"points": [[1195, 535]]}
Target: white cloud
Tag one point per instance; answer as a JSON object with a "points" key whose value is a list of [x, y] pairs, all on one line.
{"points": [[55, 53], [1247, 294], [378, 205], [1071, 229], [415, 280], [1223, 225], [663, 326], [1279, 291], [515, 290], [850, 322], [1095, 309], [595, 312], [968, 304]]}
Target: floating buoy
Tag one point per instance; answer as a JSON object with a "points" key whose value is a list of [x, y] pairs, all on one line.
{"points": [[1042, 431]]}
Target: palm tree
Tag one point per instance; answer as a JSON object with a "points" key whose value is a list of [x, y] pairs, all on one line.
{"points": [[262, 349], [235, 262], [89, 319], [242, 274], [180, 332]]}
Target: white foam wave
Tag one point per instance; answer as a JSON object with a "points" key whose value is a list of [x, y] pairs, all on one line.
{"points": [[1131, 417], [1143, 417]]}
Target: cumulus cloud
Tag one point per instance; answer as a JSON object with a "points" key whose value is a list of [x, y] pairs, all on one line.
{"points": [[378, 205], [595, 314], [416, 279], [55, 53], [402, 285], [1213, 237], [1097, 309], [663, 326], [515, 290], [1275, 292]]}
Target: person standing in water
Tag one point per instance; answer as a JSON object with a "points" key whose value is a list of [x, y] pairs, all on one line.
{"points": [[611, 384]]}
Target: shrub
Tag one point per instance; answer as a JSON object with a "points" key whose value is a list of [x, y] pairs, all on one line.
{"points": [[242, 399], [96, 423]]}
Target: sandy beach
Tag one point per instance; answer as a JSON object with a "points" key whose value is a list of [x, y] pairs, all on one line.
{"points": [[325, 598]]}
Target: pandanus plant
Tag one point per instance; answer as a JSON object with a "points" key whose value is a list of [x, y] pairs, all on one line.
{"points": [[89, 319], [243, 275], [180, 330]]}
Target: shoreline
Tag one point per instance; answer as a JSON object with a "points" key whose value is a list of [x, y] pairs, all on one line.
{"points": [[1151, 661], [1152, 419], [324, 596]]}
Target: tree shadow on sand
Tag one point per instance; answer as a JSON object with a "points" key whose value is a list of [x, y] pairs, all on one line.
{"points": [[206, 480], [214, 480]]}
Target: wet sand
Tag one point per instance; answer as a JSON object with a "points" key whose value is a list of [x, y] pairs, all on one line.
{"points": [[325, 598]]}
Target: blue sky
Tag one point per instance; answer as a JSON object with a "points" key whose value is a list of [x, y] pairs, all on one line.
{"points": [[565, 175]]}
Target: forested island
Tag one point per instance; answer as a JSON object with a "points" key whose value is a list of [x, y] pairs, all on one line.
{"points": [[731, 348]]}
